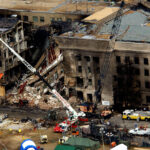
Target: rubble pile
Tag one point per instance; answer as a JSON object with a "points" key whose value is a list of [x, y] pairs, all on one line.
{"points": [[34, 97], [73, 101], [15, 125]]}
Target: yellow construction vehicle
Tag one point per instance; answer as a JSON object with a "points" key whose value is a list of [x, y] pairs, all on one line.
{"points": [[130, 114], [134, 115], [144, 116]]}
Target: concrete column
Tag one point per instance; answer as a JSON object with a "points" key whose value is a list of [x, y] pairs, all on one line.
{"points": [[2, 91], [107, 92]]}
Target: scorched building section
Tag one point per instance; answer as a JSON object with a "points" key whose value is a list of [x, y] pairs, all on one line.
{"points": [[12, 32]]}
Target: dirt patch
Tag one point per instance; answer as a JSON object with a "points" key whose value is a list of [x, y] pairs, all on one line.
{"points": [[13, 140]]}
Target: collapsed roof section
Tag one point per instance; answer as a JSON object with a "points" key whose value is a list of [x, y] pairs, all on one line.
{"points": [[135, 26], [102, 15], [7, 23]]}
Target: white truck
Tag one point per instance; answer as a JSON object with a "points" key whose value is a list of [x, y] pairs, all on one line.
{"points": [[140, 131]]}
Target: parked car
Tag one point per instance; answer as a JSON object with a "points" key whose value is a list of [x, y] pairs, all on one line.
{"points": [[140, 131]]}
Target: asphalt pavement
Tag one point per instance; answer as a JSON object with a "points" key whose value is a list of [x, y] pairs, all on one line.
{"points": [[129, 124]]}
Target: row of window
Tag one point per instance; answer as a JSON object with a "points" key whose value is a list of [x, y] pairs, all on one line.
{"points": [[42, 19], [88, 70], [136, 60], [138, 83], [80, 82], [137, 71], [87, 58]]}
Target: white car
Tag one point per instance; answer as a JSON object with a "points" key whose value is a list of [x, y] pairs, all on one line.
{"points": [[2, 117], [126, 112], [138, 131]]}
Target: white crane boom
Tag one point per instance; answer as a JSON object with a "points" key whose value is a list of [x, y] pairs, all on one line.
{"points": [[65, 103], [33, 70]]}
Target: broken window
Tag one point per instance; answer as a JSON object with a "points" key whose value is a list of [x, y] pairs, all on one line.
{"points": [[146, 72], [79, 82], [19, 17], [78, 57], [120, 82], [96, 60], [80, 69], [80, 95], [146, 61], [89, 70], [97, 70], [87, 58], [35, 19], [138, 83], [10, 53], [137, 71], [10, 61], [72, 92], [118, 59], [148, 99], [115, 78], [147, 84], [90, 81], [119, 70], [127, 59], [25, 18], [41, 19], [136, 60], [89, 97]]}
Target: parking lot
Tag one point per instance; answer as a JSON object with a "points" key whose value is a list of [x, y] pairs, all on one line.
{"points": [[129, 124]]}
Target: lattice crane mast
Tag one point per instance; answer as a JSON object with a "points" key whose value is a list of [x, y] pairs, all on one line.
{"points": [[108, 54]]}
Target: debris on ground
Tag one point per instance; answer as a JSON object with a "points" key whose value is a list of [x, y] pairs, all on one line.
{"points": [[34, 97], [15, 125]]}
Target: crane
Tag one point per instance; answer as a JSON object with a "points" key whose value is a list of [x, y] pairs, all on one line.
{"points": [[108, 54], [53, 91]]}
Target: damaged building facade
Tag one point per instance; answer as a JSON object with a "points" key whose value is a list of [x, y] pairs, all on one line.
{"points": [[84, 55], [45, 12], [82, 61], [12, 32]]}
